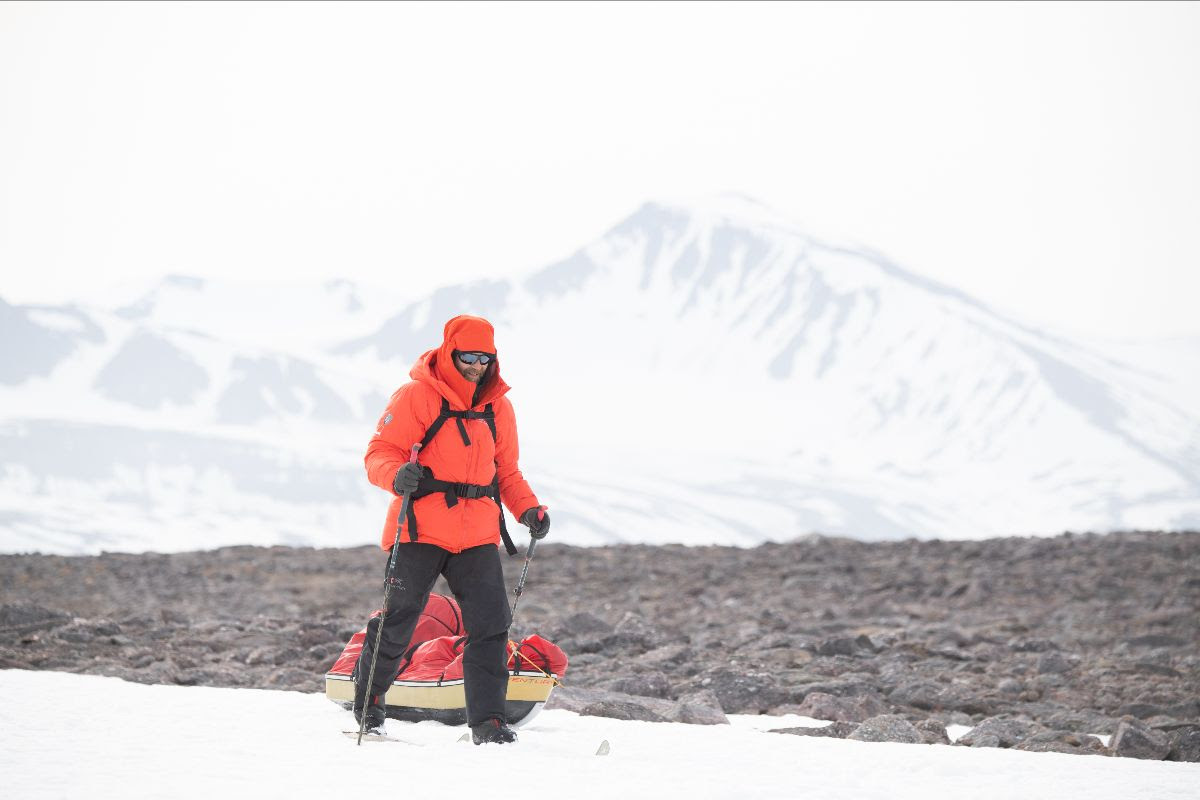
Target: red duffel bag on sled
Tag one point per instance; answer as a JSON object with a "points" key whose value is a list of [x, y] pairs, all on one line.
{"points": [[429, 683]]}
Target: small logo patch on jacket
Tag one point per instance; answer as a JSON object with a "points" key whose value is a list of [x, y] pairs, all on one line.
{"points": [[382, 422]]}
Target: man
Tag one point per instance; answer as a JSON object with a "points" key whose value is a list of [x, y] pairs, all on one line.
{"points": [[456, 409]]}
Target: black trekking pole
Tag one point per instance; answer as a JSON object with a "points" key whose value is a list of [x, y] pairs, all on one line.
{"points": [[387, 593], [524, 572]]}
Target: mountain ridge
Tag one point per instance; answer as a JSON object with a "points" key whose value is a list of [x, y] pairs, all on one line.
{"points": [[763, 383]]}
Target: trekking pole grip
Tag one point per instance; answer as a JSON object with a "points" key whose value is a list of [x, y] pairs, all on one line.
{"points": [[403, 515], [524, 573]]}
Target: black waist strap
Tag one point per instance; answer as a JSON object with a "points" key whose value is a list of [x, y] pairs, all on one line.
{"points": [[452, 491]]}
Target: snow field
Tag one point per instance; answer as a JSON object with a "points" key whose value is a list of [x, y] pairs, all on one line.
{"points": [[66, 735]]}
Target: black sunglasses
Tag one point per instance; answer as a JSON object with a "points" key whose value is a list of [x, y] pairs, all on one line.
{"points": [[471, 358]]}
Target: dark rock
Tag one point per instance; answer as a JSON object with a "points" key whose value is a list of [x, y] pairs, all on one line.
{"points": [[635, 634], [172, 617], [1054, 662], [261, 655], [699, 708], [1142, 710], [649, 683], [846, 686], [1136, 739], [846, 646], [998, 732], [616, 709], [1156, 640], [16, 618], [105, 627], [932, 731], [742, 692], [1032, 645], [1062, 742], [583, 623], [1084, 721], [577, 699], [293, 678], [1151, 668], [834, 730], [929, 696], [667, 656], [886, 728], [1185, 744], [820, 705], [76, 633], [311, 635], [1188, 709], [743, 623], [982, 740]]}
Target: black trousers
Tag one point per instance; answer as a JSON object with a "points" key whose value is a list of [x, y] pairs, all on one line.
{"points": [[476, 580]]}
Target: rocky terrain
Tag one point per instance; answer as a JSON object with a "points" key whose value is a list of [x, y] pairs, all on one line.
{"points": [[1038, 643]]}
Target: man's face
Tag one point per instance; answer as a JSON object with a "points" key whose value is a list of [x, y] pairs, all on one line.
{"points": [[472, 371]]}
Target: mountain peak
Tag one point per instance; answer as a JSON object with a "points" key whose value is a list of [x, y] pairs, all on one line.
{"points": [[723, 208]]}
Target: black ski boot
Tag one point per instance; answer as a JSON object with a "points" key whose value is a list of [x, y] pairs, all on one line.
{"points": [[492, 731], [376, 712]]}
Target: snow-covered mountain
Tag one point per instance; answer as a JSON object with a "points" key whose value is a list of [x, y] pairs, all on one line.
{"points": [[700, 373]]}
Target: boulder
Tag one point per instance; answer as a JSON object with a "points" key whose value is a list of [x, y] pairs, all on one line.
{"points": [[696, 708], [572, 698], [929, 696], [887, 728], [742, 692], [1136, 739], [834, 730], [1087, 721], [932, 731], [649, 683], [1185, 744], [821, 705], [1062, 742], [998, 732], [617, 709], [699, 708]]}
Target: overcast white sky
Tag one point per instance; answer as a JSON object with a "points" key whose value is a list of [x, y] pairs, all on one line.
{"points": [[1043, 157]]}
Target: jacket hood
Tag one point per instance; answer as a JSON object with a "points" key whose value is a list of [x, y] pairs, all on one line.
{"points": [[436, 367]]}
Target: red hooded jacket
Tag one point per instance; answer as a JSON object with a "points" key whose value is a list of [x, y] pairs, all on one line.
{"points": [[410, 412]]}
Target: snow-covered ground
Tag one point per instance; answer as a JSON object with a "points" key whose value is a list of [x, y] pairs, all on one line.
{"points": [[64, 735]]}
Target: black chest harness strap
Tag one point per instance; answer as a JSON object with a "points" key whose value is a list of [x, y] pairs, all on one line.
{"points": [[471, 491]]}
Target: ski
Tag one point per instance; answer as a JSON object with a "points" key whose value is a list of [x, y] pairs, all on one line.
{"points": [[604, 749], [375, 735]]}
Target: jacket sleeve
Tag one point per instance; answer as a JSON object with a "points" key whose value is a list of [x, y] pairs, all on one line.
{"points": [[514, 490], [401, 424]]}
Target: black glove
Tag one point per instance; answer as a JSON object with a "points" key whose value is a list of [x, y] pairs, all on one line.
{"points": [[538, 528], [407, 478]]}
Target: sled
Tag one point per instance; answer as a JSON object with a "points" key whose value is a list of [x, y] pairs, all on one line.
{"points": [[429, 683]]}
